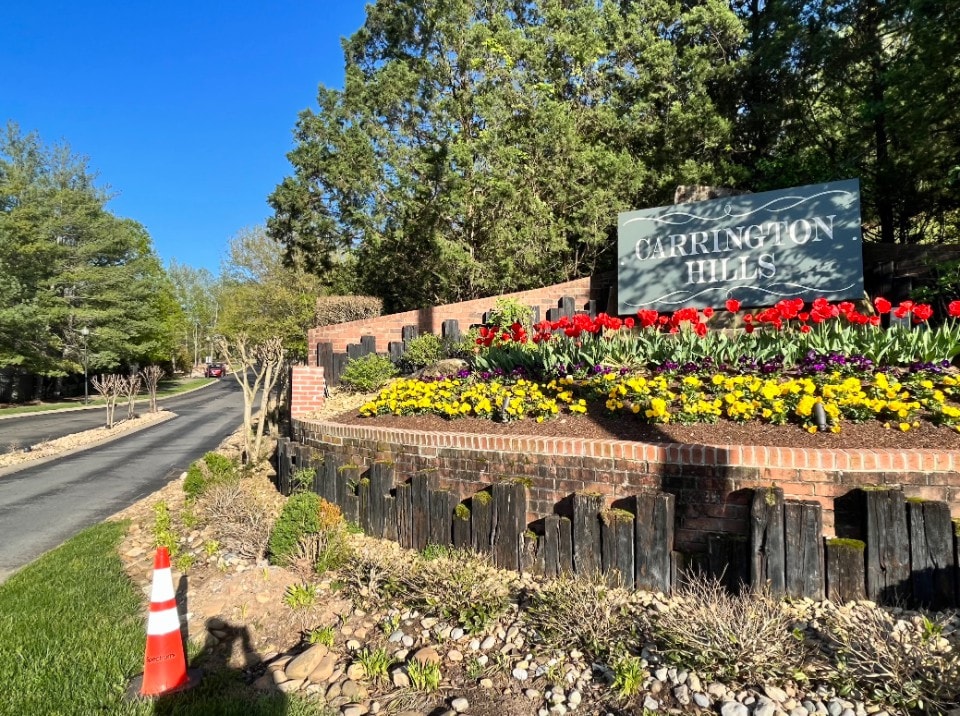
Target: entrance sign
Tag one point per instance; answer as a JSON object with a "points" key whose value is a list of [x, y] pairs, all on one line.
{"points": [[757, 248]]}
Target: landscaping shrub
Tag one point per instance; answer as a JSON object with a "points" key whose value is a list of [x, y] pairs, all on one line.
{"points": [[340, 309], [371, 372], [426, 349], [309, 533], [746, 637], [459, 585], [904, 664], [240, 517], [212, 468], [577, 612]]}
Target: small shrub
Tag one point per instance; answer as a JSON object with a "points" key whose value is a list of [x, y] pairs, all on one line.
{"points": [[300, 516], [435, 551], [302, 479], [628, 675], [424, 676], [194, 483], [241, 518], [904, 664], [211, 547], [369, 373], [376, 663], [300, 596], [576, 612], [340, 309], [163, 534], [747, 637], [184, 562], [507, 311], [326, 550], [460, 585], [426, 349], [219, 466]]}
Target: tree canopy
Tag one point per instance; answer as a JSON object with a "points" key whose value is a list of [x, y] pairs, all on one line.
{"points": [[481, 146], [76, 281]]}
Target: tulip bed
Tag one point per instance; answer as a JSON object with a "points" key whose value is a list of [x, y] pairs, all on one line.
{"points": [[815, 366]]}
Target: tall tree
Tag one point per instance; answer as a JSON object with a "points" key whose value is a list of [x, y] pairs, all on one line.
{"points": [[69, 265], [262, 296], [480, 146], [195, 291]]}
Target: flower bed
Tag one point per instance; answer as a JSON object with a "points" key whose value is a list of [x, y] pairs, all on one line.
{"points": [[815, 366]]}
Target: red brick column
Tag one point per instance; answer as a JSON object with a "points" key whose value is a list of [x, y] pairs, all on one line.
{"points": [[307, 387]]}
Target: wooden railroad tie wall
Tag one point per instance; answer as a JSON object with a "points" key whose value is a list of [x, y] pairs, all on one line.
{"points": [[889, 549]]}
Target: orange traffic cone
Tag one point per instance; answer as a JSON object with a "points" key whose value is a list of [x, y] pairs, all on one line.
{"points": [[164, 665]]}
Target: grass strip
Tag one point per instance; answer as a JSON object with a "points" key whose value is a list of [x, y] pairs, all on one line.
{"points": [[165, 389], [73, 634]]}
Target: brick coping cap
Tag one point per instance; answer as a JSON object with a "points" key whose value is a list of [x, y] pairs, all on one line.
{"points": [[758, 456]]}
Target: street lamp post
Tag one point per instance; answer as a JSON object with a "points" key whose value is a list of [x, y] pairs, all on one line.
{"points": [[86, 395]]}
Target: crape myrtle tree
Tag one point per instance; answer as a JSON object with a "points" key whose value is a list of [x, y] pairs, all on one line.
{"points": [[482, 146], [68, 265], [263, 296]]}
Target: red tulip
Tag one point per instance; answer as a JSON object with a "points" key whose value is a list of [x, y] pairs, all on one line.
{"points": [[733, 305], [882, 305], [954, 309]]}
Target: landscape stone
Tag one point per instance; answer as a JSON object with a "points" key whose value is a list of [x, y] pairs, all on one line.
{"points": [[324, 669], [301, 666], [427, 655], [460, 705], [734, 708]]}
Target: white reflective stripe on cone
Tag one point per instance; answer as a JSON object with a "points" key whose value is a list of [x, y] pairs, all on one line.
{"points": [[162, 589], [164, 622]]}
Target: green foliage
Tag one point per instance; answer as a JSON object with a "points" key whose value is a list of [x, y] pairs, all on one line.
{"points": [[424, 676], [376, 663], [628, 675], [435, 551], [213, 468], [163, 532], [300, 596], [322, 635], [68, 264], [302, 478], [508, 311], [184, 562], [371, 372], [422, 351], [300, 516], [195, 482]]}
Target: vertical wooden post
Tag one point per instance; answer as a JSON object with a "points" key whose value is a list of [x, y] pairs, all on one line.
{"points": [[481, 520], [442, 503], [381, 482], [931, 553], [653, 540], [845, 569], [803, 546], [405, 515], [461, 526], [509, 522], [766, 540], [586, 533], [616, 539], [420, 486], [888, 546]]}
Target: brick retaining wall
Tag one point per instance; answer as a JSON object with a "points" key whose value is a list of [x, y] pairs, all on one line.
{"points": [[713, 484]]}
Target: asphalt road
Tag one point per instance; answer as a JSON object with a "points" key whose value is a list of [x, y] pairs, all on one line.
{"points": [[33, 428], [43, 506]]}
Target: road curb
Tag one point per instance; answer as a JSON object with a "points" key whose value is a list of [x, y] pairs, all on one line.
{"points": [[11, 469]]}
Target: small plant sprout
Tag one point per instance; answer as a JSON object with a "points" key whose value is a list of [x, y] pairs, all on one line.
{"points": [[322, 635], [376, 663], [300, 596], [424, 676], [628, 676]]}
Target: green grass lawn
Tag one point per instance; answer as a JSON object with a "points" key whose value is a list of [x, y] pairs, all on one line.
{"points": [[165, 388], [73, 634]]}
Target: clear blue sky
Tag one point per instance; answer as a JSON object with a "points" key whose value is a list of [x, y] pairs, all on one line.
{"points": [[185, 109]]}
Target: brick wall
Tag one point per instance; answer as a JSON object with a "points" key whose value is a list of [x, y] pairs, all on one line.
{"points": [[307, 389], [713, 485], [429, 320]]}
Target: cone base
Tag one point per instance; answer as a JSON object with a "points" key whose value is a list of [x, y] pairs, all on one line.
{"points": [[133, 689]]}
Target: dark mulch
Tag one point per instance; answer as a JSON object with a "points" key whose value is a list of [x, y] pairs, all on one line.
{"points": [[870, 435]]}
